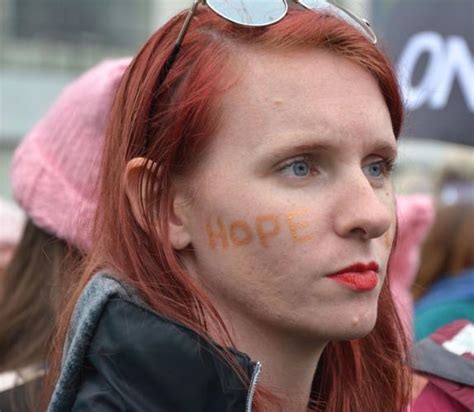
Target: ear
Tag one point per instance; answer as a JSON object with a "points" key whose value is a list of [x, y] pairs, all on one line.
{"points": [[178, 234]]}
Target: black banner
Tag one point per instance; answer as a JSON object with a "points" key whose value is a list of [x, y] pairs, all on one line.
{"points": [[432, 42]]}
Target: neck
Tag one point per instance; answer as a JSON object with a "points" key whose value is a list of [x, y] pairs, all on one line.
{"points": [[288, 361]]}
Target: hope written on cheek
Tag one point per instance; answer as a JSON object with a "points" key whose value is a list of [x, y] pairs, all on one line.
{"points": [[262, 229]]}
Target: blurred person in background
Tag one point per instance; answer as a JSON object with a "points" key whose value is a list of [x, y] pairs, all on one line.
{"points": [[244, 225], [443, 355], [12, 222], [444, 287], [415, 216], [54, 176]]}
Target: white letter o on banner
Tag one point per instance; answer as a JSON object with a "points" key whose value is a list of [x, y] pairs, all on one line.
{"points": [[433, 44]]}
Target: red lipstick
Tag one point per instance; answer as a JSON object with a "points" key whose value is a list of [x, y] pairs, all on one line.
{"points": [[360, 277]]}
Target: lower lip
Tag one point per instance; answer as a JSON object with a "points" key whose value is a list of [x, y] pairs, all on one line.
{"points": [[358, 281]]}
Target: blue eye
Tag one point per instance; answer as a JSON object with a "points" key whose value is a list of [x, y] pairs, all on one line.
{"points": [[375, 169], [300, 168], [379, 170]]}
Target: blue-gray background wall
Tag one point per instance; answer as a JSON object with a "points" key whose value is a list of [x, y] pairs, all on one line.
{"points": [[44, 44]]}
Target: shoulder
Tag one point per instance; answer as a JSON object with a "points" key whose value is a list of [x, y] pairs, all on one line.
{"points": [[131, 328], [139, 359], [119, 319], [85, 319], [123, 353]]}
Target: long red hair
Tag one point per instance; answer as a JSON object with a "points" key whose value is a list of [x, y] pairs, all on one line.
{"points": [[171, 126]]}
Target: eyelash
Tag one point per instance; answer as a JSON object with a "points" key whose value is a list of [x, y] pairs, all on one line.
{"points": [[388, 165], [304, 158]]}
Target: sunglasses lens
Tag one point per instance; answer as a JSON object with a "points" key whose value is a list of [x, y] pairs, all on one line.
{"points": [[250, 12], [342, 13]]}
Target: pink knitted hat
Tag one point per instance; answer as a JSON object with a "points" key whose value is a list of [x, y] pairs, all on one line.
{"points": [[55, 168], [415, 218]]}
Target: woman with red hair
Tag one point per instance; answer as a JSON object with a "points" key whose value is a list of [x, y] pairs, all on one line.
{"points": [[245, 223]]}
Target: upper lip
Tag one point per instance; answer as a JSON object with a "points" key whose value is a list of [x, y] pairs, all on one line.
{"points": [[358, 267]]}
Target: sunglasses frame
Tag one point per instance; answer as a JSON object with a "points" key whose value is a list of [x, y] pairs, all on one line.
{"points": [[363, 23]]}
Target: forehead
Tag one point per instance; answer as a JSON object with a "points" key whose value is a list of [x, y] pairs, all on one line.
{"points": [[301, 92]]}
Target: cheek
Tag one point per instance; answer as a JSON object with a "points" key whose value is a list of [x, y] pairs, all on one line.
{"points": [[389, 235], [386, 243], [249, 276], [272, 245]]}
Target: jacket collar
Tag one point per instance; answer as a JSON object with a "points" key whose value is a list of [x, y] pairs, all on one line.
{"points": [[99, 315]]}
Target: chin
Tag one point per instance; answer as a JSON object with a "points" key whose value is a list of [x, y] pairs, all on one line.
{"points": [[351, 326], [357, 327]]}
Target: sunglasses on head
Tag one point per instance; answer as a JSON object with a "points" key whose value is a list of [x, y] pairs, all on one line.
{"points": [[260, 13], [257, 13]]}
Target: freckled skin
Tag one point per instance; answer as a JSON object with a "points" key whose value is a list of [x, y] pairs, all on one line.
{"points": [[274, 283], [388, 239]]}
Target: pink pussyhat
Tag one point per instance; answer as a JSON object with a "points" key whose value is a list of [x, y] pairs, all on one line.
{"points": [[55, 168], [415, 217]]}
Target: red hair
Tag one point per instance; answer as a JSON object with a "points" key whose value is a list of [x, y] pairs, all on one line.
{"points": [[171, 126]]}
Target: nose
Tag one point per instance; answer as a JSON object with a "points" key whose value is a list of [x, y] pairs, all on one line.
{"points": [[363, 211]]}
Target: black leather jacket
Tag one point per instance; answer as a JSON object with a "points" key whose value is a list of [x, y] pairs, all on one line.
{"points": [[122, 356]]}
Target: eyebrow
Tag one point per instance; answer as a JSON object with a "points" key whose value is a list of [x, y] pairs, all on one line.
{"points": [[310, 146], [292, 149]]}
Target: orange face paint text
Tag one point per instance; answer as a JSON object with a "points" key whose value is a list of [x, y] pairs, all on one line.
{"points": [[267, 227], [263, 229], [217, 235], [299, 227], [240, 233]]}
